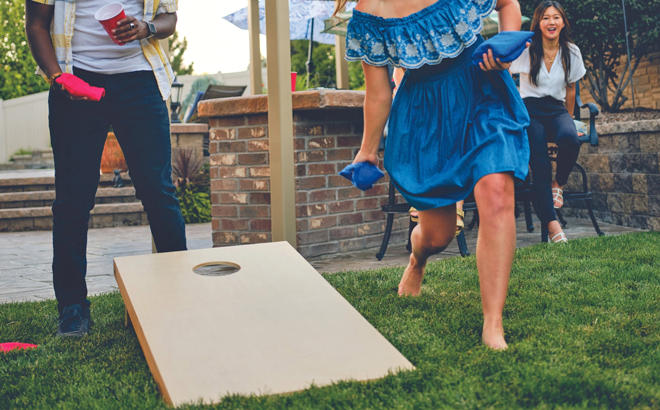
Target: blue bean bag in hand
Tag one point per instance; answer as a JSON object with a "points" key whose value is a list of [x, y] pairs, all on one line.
{"points": [[506, 45], [362, 174]]}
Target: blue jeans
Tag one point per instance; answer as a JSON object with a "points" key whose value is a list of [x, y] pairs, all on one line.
{"points": [[550, 122], [134, 107]]}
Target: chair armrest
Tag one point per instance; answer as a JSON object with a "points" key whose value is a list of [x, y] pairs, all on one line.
{"points": [[592, 137]]}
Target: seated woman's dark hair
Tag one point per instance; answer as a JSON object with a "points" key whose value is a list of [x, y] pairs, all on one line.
{"points": [[536, 48]]}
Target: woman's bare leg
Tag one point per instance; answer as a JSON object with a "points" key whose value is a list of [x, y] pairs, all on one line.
{"points": [[496, 245], [432, 235]]}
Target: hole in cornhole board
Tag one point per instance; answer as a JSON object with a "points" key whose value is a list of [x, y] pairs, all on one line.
{"points": [[276, 326], [216, 269]]}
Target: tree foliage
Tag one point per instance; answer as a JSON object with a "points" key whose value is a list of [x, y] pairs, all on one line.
{"points": [[177, 49], [17, 67], [325, 70], [598, 29]]}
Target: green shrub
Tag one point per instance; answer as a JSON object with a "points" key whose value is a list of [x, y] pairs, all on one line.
{"points": [[195, 205], [192, 180]]}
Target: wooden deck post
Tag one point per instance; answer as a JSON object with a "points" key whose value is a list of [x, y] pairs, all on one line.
{"points": [[280, 123], [340, 60], [255, 47]]}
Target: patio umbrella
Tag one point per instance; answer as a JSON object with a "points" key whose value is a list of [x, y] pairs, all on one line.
{"points": [[338, 25], [305, 22]]}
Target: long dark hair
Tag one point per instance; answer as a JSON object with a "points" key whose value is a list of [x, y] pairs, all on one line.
{"points": [[536, 48]]}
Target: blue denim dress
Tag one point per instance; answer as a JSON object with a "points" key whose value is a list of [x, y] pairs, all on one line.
{"points": [[451, 123]]}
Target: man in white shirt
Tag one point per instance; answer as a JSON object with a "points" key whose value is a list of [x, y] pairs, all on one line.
{"points": [[64, 36]]}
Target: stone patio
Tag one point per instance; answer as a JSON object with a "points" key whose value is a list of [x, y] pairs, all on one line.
{"points": [[26, 257]]}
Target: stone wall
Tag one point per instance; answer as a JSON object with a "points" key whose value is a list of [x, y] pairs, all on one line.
{"points": [[332, 216], [187, 136], [623, 174]]}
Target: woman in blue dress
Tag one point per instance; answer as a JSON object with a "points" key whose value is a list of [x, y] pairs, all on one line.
{"points": [[454, 128]]}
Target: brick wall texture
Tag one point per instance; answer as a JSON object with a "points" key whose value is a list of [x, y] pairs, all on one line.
{"points": [[624, 176], [646, 82], [332, 215]]}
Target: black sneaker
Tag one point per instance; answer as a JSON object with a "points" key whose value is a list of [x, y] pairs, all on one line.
{"points": [[74, 321]]}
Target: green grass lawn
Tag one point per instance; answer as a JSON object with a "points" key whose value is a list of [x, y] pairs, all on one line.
{"points": [[582, 323]]}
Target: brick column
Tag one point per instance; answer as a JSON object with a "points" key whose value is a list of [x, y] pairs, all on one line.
{"points": [[332, 215]]}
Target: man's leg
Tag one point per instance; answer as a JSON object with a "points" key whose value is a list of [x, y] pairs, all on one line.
{"points": [[78, 130], [141, 123]]}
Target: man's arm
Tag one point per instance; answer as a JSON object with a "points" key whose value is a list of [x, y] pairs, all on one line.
{"points": [[38, 18], [165, 26]]}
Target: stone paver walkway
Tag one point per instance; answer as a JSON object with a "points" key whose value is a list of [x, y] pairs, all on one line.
{"points": [[26, 257]]}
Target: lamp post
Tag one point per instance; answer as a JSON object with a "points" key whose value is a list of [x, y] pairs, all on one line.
{"points": [[175, 101]]}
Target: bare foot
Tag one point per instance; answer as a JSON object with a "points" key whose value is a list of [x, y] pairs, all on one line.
{"points": [[493, 336], [411, 282]]}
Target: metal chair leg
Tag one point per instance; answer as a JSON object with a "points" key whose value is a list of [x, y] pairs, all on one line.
{"points": [[462, 244], [528, 216], [386, 237], [411, 226], [593, 218], [561, 219], [475, 219]]}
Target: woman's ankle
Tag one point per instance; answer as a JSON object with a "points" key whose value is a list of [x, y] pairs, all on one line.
{"points": [[554, 227]]}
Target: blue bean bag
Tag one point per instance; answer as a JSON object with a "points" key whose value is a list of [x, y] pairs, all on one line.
{"points": [[363, 175], [506, 45]]}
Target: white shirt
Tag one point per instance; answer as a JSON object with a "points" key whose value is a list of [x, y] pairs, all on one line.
{"points": [[93, 49], [549, 83]]}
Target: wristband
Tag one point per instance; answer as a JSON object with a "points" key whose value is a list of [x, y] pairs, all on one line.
{"points": [[53, 77]]}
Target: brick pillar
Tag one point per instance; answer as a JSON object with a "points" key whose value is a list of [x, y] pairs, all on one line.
{"points": [[332, 215]]}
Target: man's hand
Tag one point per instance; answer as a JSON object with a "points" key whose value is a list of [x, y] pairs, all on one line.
{"points": [[57, 86], [130, 29]]}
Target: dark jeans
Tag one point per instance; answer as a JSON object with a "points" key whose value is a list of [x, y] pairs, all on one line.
{"points": [[550, 122], [134, 107]]}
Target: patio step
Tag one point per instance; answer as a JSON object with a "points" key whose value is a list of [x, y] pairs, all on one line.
{"points": [[26, 198], [35, 199], [103, 216], [43, 180]]}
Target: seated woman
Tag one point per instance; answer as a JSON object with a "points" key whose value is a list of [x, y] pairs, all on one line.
{"points": [[548, 71]]}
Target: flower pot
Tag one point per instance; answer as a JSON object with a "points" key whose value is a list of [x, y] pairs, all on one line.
{"points": [[113, 157]]}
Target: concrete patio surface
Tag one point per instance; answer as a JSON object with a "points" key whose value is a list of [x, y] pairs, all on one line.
{"points": [[26, 257]]}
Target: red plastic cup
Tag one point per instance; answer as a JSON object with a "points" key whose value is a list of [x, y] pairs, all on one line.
{"points": [[294, 75], [108, 16]]}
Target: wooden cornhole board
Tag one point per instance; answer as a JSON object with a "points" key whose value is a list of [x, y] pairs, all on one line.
{"points": [[275, 326]]}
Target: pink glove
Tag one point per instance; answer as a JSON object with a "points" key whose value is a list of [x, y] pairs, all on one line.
{"points": [[78, 88]]}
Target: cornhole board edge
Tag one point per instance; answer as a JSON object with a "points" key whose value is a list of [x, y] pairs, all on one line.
{"points": [[151, 362], [146, 350]]}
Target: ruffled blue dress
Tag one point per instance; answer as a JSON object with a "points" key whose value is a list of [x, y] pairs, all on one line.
{"points": [[451, 123]]}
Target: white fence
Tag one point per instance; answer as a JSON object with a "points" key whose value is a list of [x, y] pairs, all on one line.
{"points": [[23, 124]]}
